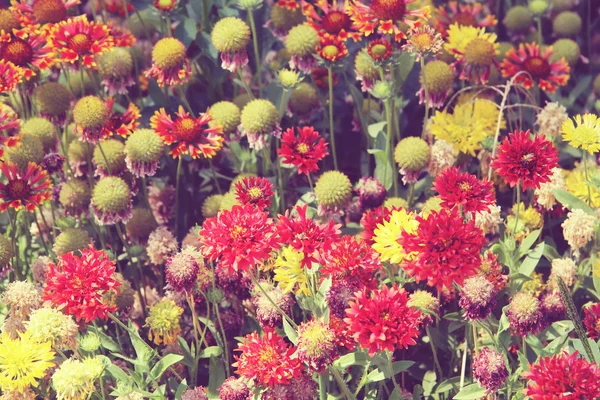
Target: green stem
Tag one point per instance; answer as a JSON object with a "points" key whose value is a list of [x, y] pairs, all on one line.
{"points": [[104, 157], [323, 386], [224, 337], [518, 209], [388, 142], [241, 76], [426, 118], [214, 174], [587, 179], [141, 282], [41, 233], [283, 314], [310, 183], [391, 366], [177, 184], [342, 385], [81, 76], [435, 356], [280, 182], [331, 131], [256, 53], [13, 234]]}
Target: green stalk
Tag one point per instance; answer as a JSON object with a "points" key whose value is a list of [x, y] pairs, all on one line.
{"points": [[141, 283], [587, 179], [331, 132], [14, 245], [214, 174], [256, 53], [241, 75], [224, 337], [426, 118], [177, 188], [323, 386], [435, 356]]}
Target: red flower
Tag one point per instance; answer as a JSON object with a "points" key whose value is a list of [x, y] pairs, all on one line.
{"points": [[304, 151], [116, 7], [331, 19], [9, 123], [10, 76], [475, 14], [240, 238], [191, 135], [521, 160], [372, 218], [29, 188], [380, 320], [254, 190], [79, 40], [464, 190], [122, 125], [43, 11], [446, 249], [563, 376], [267, 360], [379, 50], [535, 65], [27, 48], [350, 257], [592, 320], [306, 235], [77, 285], [331, 48]]}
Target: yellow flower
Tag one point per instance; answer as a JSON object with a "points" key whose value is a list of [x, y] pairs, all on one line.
{"points": [[386, 236], [578, 186], [163, 321], [289, 272], [530, 216], [461, 36], [467, 126], [74, 380], [23, 361], [583, 132]]}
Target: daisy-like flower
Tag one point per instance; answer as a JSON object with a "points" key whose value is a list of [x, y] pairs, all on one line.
{"points": [[533, 65], [241, 238], [383, 16], [351, 258], [26, 48], [121, 124], [289, 272], [29, 188], [563, 376], [9, 123], [10, 76], [267, 360], [331, 48], [190, 135], [475, 52], [254, 190], [163, 321], [583, 132], [170, 65], [23, 361], [330, 18], [44, 11], [304, 151], [445, 249], [387, 236], [379, 50], [464, 190], [592, 320], [423, 40], [452, 12], [306, 235], [77, 40], [372, 219], [524, 161], [381, 320], [77, 285]]}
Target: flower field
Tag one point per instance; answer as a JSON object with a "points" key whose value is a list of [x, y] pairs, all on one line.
{"points": [[299, 199]]}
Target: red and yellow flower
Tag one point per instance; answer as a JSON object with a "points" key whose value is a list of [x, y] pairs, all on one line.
{"points": [[29, 188], [529, 64], [475, 14], [191, 135], [474, 50], [330, 18], [379, 50], [382, 16], [43, 11], [10, 76], [78, 40], [331, 48], [26, 48], [122, 124]]}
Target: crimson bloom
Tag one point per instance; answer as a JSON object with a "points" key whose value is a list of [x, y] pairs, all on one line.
{"points": [[240, 238], [464, 190], [592, 320], [29, 188], [254, 190], [445, 249], [563, 376], [350, 257], [535, 66], [26, 48], [267, 360], [475, 14], [190, 135], [381, 320], [77, 285], [304, 151], [306, 235], [524, 161], [10, 76], [330, 18], [77, 39]]}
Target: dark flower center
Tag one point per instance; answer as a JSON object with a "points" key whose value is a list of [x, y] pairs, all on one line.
{"points": [[186, 129], [18, 189], [528, 161], [389, 9], [335, 21], [18, 52], [49, 11], [80, 43], [537, 67], [464, 19]]}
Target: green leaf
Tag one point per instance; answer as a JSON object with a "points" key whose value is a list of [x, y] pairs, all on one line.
{"points": [[448, 384], [376, 128], [143, 351], [216, 376], [106, 341], [180, 389], [532, 259], [355, 358], [290, 332], [429, 381], [162, 365], [186, 31], [571, 202], [211, 351], [473, 391], [528, 242], [117, 373], [383, 169]]}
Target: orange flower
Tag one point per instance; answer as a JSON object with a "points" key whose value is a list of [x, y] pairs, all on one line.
{"points": [[476, 15], [43, 11], [29, 188], [26, 48], [331, 48], [10, 76], [331, 19]]}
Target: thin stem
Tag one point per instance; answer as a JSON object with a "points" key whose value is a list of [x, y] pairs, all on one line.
{"points": [[331, 132], [587, 180], [104, 157], [435, 356], [499, 122], [391, 366], [340, 381], [141, 283], [388, 142], [241, 76], [13, 233], [283, 314], [177, 184], [224, 337], [310, 182], [518, 187], [463, 367], [539, 31], [280, 181], [256, 53], [37, 224], [323, 386], [82, 83], [214, 174], [426, 118], [474, 338]]}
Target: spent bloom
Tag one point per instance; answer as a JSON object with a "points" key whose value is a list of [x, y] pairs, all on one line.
{"points": [[163, 321], [161, 244], [551, 119], [578, 229], [230, 36], [21, 298], [489, 369], [565, 269], [51, 325], [316, 344], [524, 314], [478, 297], [75, 379], [545, 193], [170, 65], [592, 320]]}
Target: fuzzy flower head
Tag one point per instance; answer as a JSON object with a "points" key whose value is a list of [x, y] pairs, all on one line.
{"points": [[143, 150], [490, 370], [259, 119], [21, 298], [74, 379], [266, 360], [303, 151], [50, 325], [116, 69], [161, 244], [230, 36], [190, 135], [592, 320], [170, 65], [29, 188], [254, 190], [578, 229], [475, 52], [112, 200], [463, 14], [565, 269], [371, 192], [163, 322], [563, 375], [181, 272], [545, 193], [423, 40], [529, 64], [77, 284], [381, 320], [316, 344], [225, 114], [524, 161], [443, 156], [551, 119], [464, 190], [301, 42], [583, 132], [445, 249], [478, 297], [333, 192], [266, 312], [425, 302], [437, 79], [234, 388], [23, 361], [524, 314], [387, 236]]}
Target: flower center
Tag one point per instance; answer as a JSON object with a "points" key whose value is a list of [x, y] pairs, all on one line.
{"points": [[79, 43], [302, 148], [186, 129], [389, 9], [479, 52], [464, 186], [422, 41], [18, 189], [528, 161], [537, 67], [267, 355], [236, 232], [464, 19], [49, 11], [330, 51], [335, 21], [165, 4], [18, 52], [255, 193], [378, 51]]}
